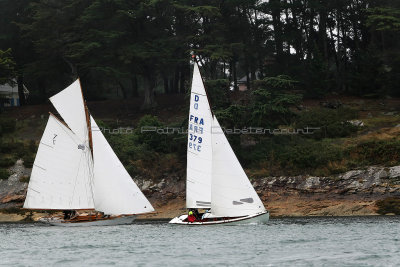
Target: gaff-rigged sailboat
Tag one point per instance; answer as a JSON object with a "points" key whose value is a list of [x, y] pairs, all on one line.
{"points": [[215, 180], [76, 169]]}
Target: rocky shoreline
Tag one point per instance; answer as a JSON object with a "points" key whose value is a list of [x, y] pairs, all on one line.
{"points": [[353, 193]]}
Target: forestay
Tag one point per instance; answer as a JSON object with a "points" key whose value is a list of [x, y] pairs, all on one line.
{"points": [[199, 152], [61, 172], [232, 193], [70, 104], [114, 190]]}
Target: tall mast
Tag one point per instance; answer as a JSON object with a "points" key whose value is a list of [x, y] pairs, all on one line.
{"points": [[89, 127]]}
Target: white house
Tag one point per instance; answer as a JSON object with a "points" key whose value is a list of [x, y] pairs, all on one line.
{"points": [[9, 95]]}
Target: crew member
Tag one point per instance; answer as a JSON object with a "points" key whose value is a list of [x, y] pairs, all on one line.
{"points": [[191, 217]]}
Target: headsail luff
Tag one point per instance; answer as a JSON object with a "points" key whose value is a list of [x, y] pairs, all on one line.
{"points": [[199, 151], [59, 178], [114, 190], [232, 193]]}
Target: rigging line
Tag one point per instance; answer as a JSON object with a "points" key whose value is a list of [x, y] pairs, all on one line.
{"points": [[199, 157], [86, 175], [90, 163], [198, 94], [194, 181], [193, 169], [68, 133], [193, 153], [76, 178]]}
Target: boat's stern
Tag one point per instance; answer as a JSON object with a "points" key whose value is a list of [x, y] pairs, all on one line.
{"points": [[179, 220]]}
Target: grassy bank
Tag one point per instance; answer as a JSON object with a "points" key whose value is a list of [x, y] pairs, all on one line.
{"points": [[336, 146]]}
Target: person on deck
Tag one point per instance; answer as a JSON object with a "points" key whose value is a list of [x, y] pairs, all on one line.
{"points": [[66, 214], [191, 217]]}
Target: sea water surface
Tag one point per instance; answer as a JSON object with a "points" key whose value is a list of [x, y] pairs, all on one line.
{"points": [[333, 241]]}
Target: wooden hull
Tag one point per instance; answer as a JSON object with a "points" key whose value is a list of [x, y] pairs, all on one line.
{"points": [[89, 221], [258, 218]]}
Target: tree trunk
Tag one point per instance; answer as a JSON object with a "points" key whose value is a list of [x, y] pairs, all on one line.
{"points": [[176, 81], [323, 46], [181, 78], [166, 85], [276, 22], [149, 99], [123, 90], [135, 86]]}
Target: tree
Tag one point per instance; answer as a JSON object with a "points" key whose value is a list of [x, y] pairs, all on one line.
{"points": [[7, 66]]}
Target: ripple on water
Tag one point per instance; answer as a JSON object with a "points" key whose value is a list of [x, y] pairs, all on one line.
{"points": [[334, 241]]}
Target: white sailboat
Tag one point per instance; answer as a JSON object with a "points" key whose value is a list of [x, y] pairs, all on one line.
{"points": [[215, 180], [76, 169]]}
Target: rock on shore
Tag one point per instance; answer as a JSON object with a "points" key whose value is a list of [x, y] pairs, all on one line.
{"points": [[352, 193]]}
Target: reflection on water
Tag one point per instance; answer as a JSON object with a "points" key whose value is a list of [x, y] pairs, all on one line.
{"points": [[327, 241]]}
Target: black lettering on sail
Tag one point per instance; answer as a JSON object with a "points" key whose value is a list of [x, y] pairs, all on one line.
{"points": [[247, 200]]}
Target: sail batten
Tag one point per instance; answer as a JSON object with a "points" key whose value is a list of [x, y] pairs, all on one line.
{"points": [[59, 175]]}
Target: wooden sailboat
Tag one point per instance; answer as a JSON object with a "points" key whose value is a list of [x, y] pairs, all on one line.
{"points": [[215, 180], [76, 169]]}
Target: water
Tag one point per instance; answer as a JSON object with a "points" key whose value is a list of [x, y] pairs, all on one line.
{"points": [[351, 241]]}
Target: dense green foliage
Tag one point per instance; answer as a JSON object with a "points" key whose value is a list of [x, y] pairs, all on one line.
{"points": [[12, 150], [284, 51], [133, 47], [4, 174], [7, 125], [7, 66], [331, 123], [145, 151], [377, 152]]}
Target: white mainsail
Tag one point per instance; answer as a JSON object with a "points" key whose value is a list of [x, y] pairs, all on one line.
{"points": [[199, 151], [61, 173], [114, 190], [66, 175], [232, 193], [70, 105]]}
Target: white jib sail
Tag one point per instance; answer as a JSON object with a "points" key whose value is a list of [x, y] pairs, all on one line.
{"points": [[232, 193], [62, 171], [115, 192], [70, 105], [199, 153]]}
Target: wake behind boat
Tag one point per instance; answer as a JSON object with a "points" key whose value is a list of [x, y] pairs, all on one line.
{"points": [[215, 180], [77, 172]]}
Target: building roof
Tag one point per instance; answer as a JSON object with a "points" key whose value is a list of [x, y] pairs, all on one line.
{"points": [[11, 89]]}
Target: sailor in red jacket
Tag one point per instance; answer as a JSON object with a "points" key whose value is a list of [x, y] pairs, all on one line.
{"points": [[191, 217]]}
